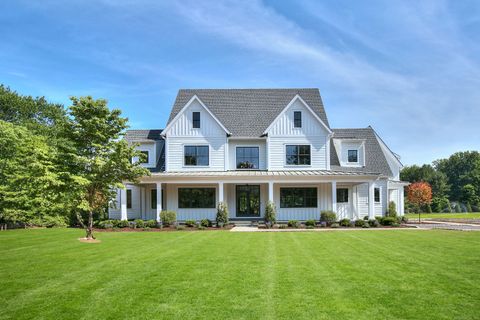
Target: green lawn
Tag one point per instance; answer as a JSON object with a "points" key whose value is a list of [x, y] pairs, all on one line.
{"points": [[49, 274], [475, 215]]}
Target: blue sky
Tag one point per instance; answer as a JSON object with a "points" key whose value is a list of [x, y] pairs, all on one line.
{"points": [[411, 69]]}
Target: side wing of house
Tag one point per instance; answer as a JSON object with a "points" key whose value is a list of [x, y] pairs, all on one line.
{"points": [[298, 139], [195, 140]]}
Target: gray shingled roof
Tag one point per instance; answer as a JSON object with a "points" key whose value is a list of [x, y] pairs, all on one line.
{"points": [[248, 112], [375, 158], [142, 135]]}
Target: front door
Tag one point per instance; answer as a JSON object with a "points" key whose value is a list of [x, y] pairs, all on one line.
{"points": [[248, 200]]}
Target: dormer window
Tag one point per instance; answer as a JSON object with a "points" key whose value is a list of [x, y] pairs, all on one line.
{"points": [[353, 156], [297, 119], [196, 119], [145, 158]]}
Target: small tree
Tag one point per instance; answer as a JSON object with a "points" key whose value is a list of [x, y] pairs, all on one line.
{"points": [[419, 194], [392, 209], [270, 213], [222, 214], [97, 157], [469, 207]]}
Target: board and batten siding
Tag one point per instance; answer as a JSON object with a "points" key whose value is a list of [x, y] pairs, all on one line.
{"points": [[361, 200], [232, 152], [282, 133], [181, 133], [324, 202]]}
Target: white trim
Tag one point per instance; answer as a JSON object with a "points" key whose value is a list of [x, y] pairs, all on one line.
{"points": [[358, 156], [164, 132], [308, 108]]}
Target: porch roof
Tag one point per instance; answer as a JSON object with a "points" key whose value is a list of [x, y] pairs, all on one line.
{"points": [[262, 173]]}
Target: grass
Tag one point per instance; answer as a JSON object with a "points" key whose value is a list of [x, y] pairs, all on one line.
{"points": [[49, 274], [471, 215]]}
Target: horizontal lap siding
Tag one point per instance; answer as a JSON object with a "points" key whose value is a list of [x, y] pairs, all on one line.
{"points": [[175, 155], [324, 195], [232, 152]]}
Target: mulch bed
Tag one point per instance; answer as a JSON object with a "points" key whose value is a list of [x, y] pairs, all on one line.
{"points": [[165, 229]]}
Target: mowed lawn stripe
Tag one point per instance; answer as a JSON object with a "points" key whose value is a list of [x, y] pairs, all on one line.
{"points": [[219, 274]]}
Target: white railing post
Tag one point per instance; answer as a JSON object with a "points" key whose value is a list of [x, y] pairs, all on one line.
{"points": [[159, 201], [123, 204], [270, 191], [371, 200], [220, 192], [334, 196]]}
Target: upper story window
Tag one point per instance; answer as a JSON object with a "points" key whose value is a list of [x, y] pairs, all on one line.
{"points": [[297, 119], [352, 155], [145, 158], [247, 157], [376, 194], [298, 197], [298, 155], [196, 155], [196, 119], [129, 199], [342, 195]]}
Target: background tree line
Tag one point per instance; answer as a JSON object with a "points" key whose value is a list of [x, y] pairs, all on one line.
{"points": [[455, 182], [60, 165]]}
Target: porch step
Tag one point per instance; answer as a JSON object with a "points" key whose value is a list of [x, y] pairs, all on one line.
{"points": [[245, 222]]}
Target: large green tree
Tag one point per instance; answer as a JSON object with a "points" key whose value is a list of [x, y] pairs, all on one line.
{"points": [[461, 169], [427, 173], [99, 159], [30, 186]]}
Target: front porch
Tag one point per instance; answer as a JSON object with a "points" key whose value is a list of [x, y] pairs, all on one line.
{"points": [[301, 199]]}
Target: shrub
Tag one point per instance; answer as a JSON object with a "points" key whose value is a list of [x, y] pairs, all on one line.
{"points": [[270, 213], [469, 207], [365, 218], [222, 215], [139, 223], [395, 224], [151, 224], [293, 224], [388, 221], [310, 227], [458, 209], [132, 224], [168, 217], [344, 222], [360, 223], [310, 223], [366, 225], [328, 216], [122, 224], [190, 223], [206, 223], [392, 209], [200, 227], [373, 223], [106, 224], [323, 224], [403, 219], [179, 227], [282, 226], [335, 225]]}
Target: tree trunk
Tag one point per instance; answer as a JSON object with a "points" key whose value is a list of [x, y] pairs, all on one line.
{"points": [[89, 228]]}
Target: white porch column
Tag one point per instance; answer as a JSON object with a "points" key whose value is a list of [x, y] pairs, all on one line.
{"points": [[159, 200], [334, 196], [270, 191], [220, 192], [123, 204], [371, 202]]}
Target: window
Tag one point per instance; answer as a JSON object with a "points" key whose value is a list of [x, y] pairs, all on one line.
{"points": [[376, 194], [189, 198], [129, 199], [297, 119], [352, 155], [247, 158], [298, 197], [153, 198], [342, 195], [298, 154], [196, 119], [196, 155], [145, 157]]}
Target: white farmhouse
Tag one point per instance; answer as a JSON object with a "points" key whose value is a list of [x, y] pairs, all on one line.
{"points": [[246, 147]]}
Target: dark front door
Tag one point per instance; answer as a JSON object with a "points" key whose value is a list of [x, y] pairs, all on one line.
{"points": [[248, 201]]}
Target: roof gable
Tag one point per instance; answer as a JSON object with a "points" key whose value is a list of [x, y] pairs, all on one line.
{"points": [[248, 112]]}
